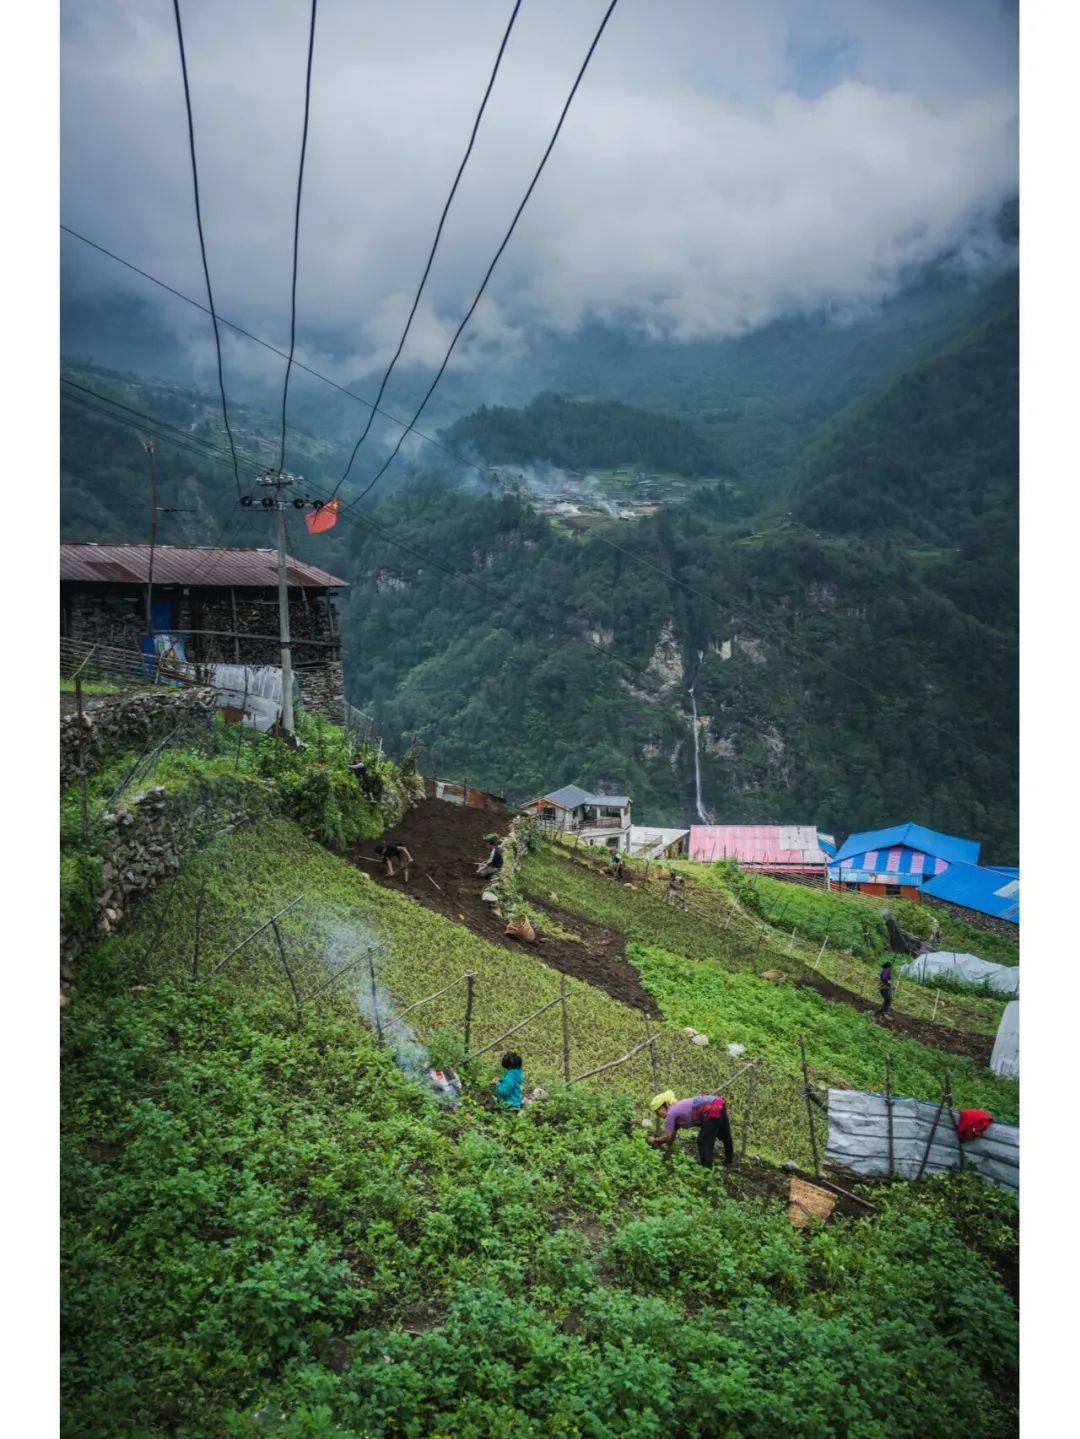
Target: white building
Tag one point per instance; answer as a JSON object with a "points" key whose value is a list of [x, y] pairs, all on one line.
{"points": [[595, 818], [651, 842]]}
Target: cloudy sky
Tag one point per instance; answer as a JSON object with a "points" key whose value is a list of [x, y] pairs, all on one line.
{"points": [[725, 161]]}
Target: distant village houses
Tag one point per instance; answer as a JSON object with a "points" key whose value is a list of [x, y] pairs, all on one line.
{"points": [[208, 606], [909, 861]]}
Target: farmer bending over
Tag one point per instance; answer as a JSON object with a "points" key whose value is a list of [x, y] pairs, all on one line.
{"points": [[490, 867], [388, 853], [707, 1113]]}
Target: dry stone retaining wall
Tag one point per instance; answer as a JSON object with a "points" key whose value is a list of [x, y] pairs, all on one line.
{"points": [[114, 726], [148, 840]]}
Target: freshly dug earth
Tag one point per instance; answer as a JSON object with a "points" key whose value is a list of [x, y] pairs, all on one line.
{"points": [[447, 843]]}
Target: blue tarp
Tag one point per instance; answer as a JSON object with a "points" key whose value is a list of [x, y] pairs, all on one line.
{"points": [[912, 836], [989, 891]]}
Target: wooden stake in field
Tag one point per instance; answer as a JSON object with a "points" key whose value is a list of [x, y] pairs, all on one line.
{"points": [[809, 1106], [375, 1001], [469, 981], [744, 1140], [565, 1029], [288, 971], [937, 1001], [821, 951], [889, 1110]]}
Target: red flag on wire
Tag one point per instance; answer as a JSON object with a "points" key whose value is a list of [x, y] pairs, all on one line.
{"points": [[324, 518]]}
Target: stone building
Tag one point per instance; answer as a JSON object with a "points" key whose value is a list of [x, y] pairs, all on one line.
{"points": [[217, 605]]}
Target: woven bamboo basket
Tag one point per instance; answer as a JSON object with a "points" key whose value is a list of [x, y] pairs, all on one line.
{"points": [[807, 1202]]}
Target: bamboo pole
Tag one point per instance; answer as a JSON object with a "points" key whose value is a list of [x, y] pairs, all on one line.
{"points": [[565, 1029], [469, 982], [507, 1033], [429, 997], [930, 1137], [374, 1000], [889, 1111], [288, 971], [809, 1106], [352, 964], [613, 1062], [247, 940], [198, 930], [821, 951], [746, 1117]]}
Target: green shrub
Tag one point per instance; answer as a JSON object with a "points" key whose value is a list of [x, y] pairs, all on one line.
{"points": [[80, 882]]}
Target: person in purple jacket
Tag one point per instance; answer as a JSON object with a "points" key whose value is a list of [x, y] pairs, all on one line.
{"points": [[707, 1113]]}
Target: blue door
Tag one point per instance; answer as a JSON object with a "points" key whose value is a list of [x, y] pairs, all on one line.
{"points": [[162, 618]]}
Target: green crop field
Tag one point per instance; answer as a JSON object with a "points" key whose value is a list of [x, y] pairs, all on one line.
{"points": [[268, 1229]]}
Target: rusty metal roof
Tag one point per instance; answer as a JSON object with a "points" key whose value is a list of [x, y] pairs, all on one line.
{"points": [[198, 565]]}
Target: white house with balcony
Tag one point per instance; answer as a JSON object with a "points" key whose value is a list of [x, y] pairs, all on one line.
{"points": [[594, 818]]}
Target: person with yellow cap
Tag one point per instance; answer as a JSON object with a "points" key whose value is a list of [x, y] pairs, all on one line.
{"points": [[707, 1113]]}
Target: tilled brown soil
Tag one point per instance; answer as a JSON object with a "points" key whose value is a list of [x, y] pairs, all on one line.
{"points": [[447, 843]]}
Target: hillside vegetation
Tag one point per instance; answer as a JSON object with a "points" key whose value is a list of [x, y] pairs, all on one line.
{"points": [[269, 1229], [582, 434]]}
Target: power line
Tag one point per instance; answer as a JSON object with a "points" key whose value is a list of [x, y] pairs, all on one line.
{"points": [[495, 259], [202, 240], [272, 348], [296, 233], [434, 246]]}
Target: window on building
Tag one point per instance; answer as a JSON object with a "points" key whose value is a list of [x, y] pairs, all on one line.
{"points": [[892, 891]]}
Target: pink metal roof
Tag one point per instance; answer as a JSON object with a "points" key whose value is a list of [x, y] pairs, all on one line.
{"points": [[764, 844], [199, 565]]}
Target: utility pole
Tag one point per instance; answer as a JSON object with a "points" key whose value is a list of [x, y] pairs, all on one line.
{"points": [[148, 446], [278, 483]]}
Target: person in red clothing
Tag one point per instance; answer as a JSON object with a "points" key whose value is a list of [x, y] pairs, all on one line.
{"points": [[707, 1113]]}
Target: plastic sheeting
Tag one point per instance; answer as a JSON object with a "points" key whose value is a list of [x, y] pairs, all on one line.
{"points": [[859, 1140], [1005, 1057], [968, 968], [254, 689]]}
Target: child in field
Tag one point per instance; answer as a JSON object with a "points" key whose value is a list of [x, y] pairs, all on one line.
{"points": [[508, 1088]]}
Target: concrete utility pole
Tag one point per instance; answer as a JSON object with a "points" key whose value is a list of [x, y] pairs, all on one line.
{"points": [[148, 446], [278, 483]]}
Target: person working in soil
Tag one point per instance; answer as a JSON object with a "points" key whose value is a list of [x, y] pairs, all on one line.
{"points": [[616, 868], [676, 891], [490, 867], [707, 1113], [885, 987], [391, 852]]}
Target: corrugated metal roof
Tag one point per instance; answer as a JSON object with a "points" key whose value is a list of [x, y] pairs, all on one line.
{"points": [[912, 836], [198, 565], [571, 795], [763, 844], [988, 891]]}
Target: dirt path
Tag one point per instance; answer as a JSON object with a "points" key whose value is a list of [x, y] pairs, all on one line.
{"points": [[952, 1041], [976, 1047], [447, 843]]}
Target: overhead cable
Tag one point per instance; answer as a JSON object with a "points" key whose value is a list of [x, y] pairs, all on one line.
{"points": [[494, 261], [296, 233], [202, 239], [434, 246]]}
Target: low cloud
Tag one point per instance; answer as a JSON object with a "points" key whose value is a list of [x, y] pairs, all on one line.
{"points": [[724, 164]]}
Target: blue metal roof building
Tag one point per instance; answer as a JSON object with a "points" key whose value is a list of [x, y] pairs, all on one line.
{"points": [[904, 857], [990, 891]]}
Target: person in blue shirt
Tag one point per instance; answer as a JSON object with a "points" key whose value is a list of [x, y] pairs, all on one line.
{"points": [[508, 1088]]}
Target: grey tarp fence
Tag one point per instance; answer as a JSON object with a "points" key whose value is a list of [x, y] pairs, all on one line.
{"points": [[859, 1140], [1005, 1058]]}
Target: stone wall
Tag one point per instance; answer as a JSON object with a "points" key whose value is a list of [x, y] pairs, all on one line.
{"points": [[109, 727], [148, 839], [322, 688]]}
